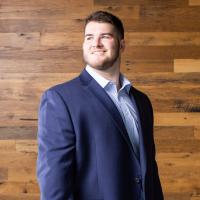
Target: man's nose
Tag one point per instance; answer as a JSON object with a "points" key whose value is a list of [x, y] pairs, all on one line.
{"points": [[96, 42]]}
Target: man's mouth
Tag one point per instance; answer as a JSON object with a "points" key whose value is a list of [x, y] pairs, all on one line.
{"points": [[98, 52]]}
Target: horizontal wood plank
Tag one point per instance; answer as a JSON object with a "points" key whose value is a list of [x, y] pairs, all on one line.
{"points": [[194, 2], [8, 132], [173, 132], [162, 52], [177, 119], [53, 53], [165, 79], [168, 3], [7, 145], [131, 65], [48, 65], [19, 197], [40, 25], [187, 65], [177, 196], [175, 104], [178, 145], [10, 187], [122, 11], [197, 132], [62, 39], [22, 10], [195, 197], [163, 38], [163, 92], [26, 146], [36, 3], [19, 40], [21, 174], [17, 159]]}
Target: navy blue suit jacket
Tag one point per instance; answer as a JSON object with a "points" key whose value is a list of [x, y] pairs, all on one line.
{"points": [[84, 151]]}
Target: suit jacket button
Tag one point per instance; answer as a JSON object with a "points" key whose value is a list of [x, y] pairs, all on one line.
{"points": [[137, 180]]}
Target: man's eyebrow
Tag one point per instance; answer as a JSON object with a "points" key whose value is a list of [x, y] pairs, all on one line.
{"points": [[107, 34], [90, 34]]}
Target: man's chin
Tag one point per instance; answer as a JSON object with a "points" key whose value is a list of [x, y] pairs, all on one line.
{"points": [[104, 65], [97, 64], [98, 67], [100, 64]]}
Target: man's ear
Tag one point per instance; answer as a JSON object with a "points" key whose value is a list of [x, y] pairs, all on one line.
{"points": [[122, 45]]}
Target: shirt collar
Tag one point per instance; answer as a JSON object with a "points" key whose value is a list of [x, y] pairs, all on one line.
{"points": [[125, 83], [99, 79], [103, 82]]}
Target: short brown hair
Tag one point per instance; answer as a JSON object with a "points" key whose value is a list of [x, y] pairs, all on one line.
{"points": [[103, 16]]}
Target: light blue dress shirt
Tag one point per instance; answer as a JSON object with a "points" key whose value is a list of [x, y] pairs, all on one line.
{"points": [[124, 103]]}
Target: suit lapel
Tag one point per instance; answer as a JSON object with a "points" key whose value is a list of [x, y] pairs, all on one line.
{"points": [[107, 103]]}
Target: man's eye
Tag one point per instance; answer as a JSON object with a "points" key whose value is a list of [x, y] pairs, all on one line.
{"points": [[88, 38], [106, 36]]}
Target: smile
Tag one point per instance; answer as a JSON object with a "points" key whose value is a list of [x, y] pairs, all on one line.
{"points": [[98, 52]]}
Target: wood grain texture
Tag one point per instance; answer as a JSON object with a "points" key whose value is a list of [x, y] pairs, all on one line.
{"points": [[132, 11], [194, 2], [19, 40], [44, 65], [197, 132], [41, 45], [167, 3], [40, 25], [19, 197], [163, 38], [177, 119], [18, 132], [38, 9], [179, 171], [18, 188], [131, 65], [187, 65]]}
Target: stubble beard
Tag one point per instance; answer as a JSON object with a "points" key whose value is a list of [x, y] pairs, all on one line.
{"points": [[102, 65]]}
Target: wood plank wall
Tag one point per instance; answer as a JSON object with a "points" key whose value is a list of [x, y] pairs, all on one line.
{"points": [[40, 45]]}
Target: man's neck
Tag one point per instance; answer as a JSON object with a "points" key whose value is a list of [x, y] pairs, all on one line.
{"points": [[112, 74]]}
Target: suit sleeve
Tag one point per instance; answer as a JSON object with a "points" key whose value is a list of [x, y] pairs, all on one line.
{"points": [[56, 149]]}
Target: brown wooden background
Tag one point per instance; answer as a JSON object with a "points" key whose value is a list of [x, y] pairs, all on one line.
{"points": [[40, 45]]}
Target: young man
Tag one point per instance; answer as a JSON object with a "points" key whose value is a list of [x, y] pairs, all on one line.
{"points": [[95, 132]]}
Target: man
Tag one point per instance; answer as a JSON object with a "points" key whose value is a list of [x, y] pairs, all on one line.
{"points": [[95, 132]]}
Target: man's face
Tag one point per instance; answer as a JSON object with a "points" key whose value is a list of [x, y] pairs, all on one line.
{"points": [[102, 45]]}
